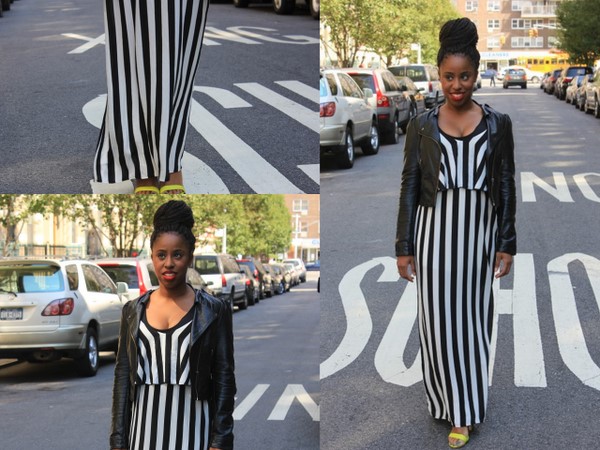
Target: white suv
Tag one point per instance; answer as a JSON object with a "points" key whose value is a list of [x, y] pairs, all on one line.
{"points": [[225, 277], [299, 266], [55, 308]]}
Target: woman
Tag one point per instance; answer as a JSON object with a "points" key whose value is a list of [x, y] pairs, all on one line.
{"points": [[456, 229], [174, 377], [152, 53]]}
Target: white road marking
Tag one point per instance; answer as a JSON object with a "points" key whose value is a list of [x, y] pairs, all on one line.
{"points": [[293, 391], [312, 170], [295, 39], [584, 186], [246, 405], [560, 192], [92, 42], [261, 176], [225, 98], [305, 116], [301, 89]]}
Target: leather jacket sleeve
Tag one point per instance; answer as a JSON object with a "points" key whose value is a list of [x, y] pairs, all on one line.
{"points": [[507, 236], [223, 381], [121, 405], [409, 192]]}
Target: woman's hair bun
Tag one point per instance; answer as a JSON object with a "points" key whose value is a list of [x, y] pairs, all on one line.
{"points": [[174, 212], [458, 33]]}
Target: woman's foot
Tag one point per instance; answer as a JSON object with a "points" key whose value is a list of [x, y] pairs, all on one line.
{"points": [[459, 436], [146, 186], [174, 185]]}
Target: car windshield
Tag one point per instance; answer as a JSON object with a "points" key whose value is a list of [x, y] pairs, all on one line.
{"points": [[323, 88], [416, 73], [125, 274], [364, 80], [206, 265], [23, 278], [571, 72]]}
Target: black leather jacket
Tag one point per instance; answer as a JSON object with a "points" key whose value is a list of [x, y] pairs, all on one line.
{"points": [[422, 157], [212, 370]]}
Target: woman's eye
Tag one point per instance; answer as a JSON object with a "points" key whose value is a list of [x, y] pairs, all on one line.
{"points": [[178, 255], [161, 256]]}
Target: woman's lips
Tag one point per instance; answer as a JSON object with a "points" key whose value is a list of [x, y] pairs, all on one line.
{"points": [[457, 97], [169, 276]]}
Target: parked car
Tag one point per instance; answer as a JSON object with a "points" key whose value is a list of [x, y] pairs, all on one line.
{"points": [[544, 78], [52, 308], [592, 95], [565, 78], [574, 85], [514, 77], [415, 94], [299, 264], [346, 118], [392, 107], [140, 277], [226, 276], [313, 265], [252, 286], [283, 6], [550, 82], [580, 94], [532, 75], [425, 76], [294, 274], [281, 278], [260, 274]]}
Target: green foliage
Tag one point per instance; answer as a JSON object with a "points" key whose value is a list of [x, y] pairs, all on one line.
{"points": [[386, 27], [256, 224], [578, 32]]}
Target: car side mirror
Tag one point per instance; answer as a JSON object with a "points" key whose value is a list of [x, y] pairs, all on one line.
{"points": [[368, 92], [123, 291], [421, 89], [209, 283]]}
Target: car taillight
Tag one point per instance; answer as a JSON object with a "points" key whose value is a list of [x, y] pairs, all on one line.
{"points": [[223, 281], [430, 86], [248, 282], [141, 284], [327, 109], [567, 80], [60, 307], [382, 100], [256, 274]]}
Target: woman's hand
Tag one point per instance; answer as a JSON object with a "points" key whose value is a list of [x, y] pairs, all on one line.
{"points": [[406, 267], [503, 264]]}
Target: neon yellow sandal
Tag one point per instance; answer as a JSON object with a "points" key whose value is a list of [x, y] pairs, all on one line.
{"points": [[146, 190], [460, 437], [172, 187]]}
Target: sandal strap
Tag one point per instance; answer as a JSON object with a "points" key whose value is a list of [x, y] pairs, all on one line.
{"points": [[172, 187], [140, 189]]}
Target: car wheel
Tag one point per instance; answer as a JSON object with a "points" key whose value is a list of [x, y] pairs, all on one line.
{"points": [[346, 158], [371, 145], [535, 80], [315, 7], [523, 86], [597, 109], [241, 3], [242, 305], [6, 5], [284, 6], [280, 288], [412, 112], [249, 298], [87, 364], [393, 137]]}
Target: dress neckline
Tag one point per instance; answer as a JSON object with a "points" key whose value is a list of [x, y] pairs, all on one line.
{"points": [[475, 131], [183, 321]]}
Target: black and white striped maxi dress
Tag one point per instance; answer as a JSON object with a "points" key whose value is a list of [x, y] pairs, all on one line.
{"points": [[454, 258], [165, 414], [152, 53]]}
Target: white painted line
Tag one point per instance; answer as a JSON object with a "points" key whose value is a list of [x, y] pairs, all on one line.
{"points": [[246, 405], [305, 116], [261, 176], [312, 170], [225, 98], [302, 89], [284, 403], [85, 47], [215, 33]]}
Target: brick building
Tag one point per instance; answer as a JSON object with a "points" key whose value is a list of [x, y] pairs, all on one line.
{"points": [[305, 210]]}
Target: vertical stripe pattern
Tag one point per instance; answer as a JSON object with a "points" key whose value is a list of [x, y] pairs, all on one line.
{"points": [[152, 53], [165, 413], [454, 257]]}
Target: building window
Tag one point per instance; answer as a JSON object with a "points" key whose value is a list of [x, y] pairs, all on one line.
{"points": [[471, 5], [493, 42], [527, 42], [303, 229], [493, 5], [300, 205], [493, 24], [516, 5]]}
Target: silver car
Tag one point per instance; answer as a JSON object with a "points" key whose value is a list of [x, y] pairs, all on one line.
{"points": [[425, 76], [346, 118], [58, 308], [300, 267], [225, 277]]}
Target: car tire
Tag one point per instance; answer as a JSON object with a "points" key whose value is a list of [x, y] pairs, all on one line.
{"points": [[345, 159], [535, 80], [412, 112], [87, 364], [315, 8], [280, 288], [393, 137], [6, 5], [241, 3], [284, 6], [523, 86], [244, 304], [249, 299], [371, 145]]}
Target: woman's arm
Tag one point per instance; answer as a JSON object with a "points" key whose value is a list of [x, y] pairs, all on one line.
{"points": [[507, 235], [119, 434], [409, 192], [223, 379]]}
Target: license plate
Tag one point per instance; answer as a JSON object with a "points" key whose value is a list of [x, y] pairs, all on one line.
{"points": [[11, 314]]}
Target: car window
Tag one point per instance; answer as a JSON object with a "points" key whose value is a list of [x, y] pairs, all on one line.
{"points": [[152, 274], [91, 283], [389, 82], [207, 265], [332, 84], [72, 277], [194, 278], [349, 86], [398, 71], [364, 80], [106, 284], [31, 278], [416, 73], [434, 74], [323, 87], [232, 265], [126, 274]]}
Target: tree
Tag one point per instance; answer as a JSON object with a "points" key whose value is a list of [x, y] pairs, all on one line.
{"points": [[15, 210], [578, 32]]}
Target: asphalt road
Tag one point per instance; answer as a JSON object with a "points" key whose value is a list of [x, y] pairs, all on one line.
{"points": [[253, 122], [46, 406], [545, 391]]}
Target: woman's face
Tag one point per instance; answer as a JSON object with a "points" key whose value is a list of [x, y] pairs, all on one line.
{"points": [[458, 78], [171, 257]]}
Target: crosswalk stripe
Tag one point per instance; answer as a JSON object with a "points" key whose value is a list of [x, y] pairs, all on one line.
{"points": [[312, 170], [305, 116], [261, 176], [301, 89], [246, 405]]}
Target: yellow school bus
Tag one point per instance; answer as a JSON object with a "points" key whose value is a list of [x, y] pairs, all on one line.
{"points": [[541, 62]]}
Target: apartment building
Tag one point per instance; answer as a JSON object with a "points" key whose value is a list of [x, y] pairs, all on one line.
{"points": [[306, 226], [515, 32]]}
